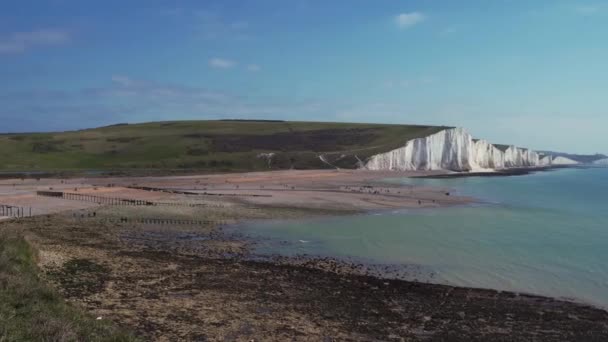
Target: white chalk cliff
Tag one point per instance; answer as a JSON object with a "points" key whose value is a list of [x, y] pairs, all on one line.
{"points": [[563, 161], [603, 162], [454, 149]]}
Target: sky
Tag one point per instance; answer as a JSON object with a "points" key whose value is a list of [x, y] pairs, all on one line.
{"points": [[529, 73]]}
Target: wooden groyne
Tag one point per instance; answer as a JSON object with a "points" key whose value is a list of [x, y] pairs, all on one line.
{"points": [[169, 191], [190, 193], [14, 211], [164, 221], [113, 200]]}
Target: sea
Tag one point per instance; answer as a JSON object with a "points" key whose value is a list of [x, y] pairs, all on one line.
{"points": [[545, 233]]}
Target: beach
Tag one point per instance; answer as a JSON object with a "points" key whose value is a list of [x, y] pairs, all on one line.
{"points": [[336, 190], [173, 267]]}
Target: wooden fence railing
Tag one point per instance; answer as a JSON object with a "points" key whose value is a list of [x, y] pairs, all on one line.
{"points": [[113, 200], [205, 193], [14, 211], [164, 221]]}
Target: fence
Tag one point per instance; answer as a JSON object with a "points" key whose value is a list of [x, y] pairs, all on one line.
{"points": [[13, 211], [170, 191], [164, 221], [181, 192], [114, 200]]}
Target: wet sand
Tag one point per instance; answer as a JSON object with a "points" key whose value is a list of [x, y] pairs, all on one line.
{"points": [[200, 282]]}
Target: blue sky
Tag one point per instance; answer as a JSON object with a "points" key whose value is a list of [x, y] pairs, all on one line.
{"points": [[531, 73]]}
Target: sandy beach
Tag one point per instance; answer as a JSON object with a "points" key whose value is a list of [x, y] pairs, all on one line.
{"points": [[347, 190]]}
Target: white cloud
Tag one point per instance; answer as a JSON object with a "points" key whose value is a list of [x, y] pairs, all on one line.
{"points": [[18, 42], [128, 99], [428, 80], [7, 47], [254, 68], [447, 31], [43, 37], [122, 80], [212, 25], [405, 83], [395, 84], [407, 20], [124, 86], [221, 63], [587, 9]]}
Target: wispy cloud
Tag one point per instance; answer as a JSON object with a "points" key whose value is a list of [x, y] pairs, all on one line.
{"points": [[208, 24], [221, 63], [239, 25], [122, 80], [407, 20], [19, 42], [127, 99], [172, 12], [254, 68], [125, 86], [447, 31], [213, 25], [405, 83], [587, 9]]}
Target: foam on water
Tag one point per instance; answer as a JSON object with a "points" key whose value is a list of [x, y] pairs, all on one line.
{"points": [[545, 233]]}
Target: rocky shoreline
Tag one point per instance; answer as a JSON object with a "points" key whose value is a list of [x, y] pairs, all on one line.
{"points": [[203, 285], [171, 288], [169, 282]]}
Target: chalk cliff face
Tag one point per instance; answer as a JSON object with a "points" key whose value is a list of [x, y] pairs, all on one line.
{"points": [[563, 161], [545, 161], [448, 149], [603, 162], [486, 156], [455, 149]]}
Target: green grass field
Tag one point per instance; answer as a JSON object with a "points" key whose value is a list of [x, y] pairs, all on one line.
{"points": [[32, 311], [204, 145]]}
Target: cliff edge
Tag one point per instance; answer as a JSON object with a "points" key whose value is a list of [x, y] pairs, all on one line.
{"points": [[454, 149]]}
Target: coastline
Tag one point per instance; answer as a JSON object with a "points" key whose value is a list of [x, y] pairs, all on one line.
{"points": [[273, 250], [151, 270], [522, 171]]}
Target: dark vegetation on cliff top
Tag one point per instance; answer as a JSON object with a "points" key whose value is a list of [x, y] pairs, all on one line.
{"points": [[226, 145]]}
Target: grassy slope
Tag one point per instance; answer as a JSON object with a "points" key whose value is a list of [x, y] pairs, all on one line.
{"points": [[31, 311], [205, 145]]}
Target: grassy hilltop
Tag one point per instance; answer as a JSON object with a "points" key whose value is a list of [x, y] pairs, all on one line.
{"points": [[204, 145]]}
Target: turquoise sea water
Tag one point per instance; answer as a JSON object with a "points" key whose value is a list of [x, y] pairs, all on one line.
{"points": [[545, 233]]}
